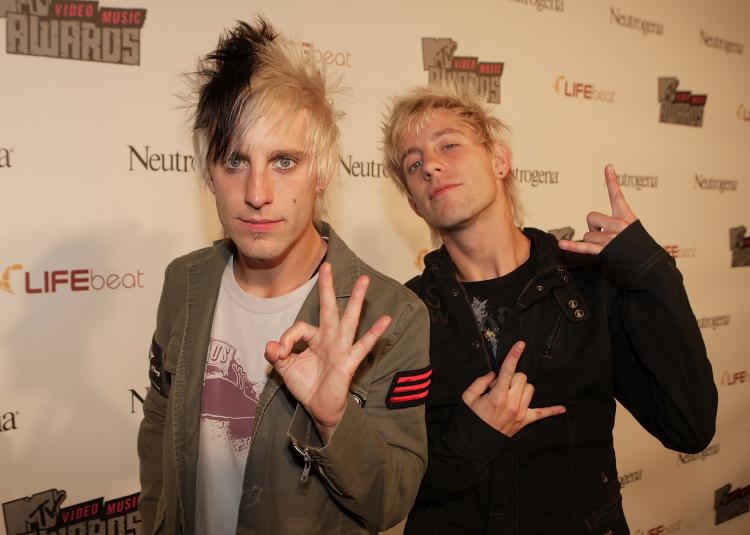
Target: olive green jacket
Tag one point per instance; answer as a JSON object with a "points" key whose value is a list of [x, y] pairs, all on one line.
{"points": [[367, 476]]}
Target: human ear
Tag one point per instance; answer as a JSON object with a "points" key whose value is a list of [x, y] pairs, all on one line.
{"points": [[501, 159]]}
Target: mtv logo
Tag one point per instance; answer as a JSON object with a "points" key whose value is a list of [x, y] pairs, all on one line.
{"points": [[39, 511], [564, 233], [438, 52], [6, 6]]}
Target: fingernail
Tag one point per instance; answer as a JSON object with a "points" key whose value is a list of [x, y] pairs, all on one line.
{"points": [[609, 168]]}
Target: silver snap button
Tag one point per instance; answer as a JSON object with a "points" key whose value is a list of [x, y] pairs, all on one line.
{"points": [[573, 303], [579, 313], [454, 292], [539, 288]]}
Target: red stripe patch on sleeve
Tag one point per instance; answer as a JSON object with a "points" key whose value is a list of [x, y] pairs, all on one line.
{"points": [[409, 388]]}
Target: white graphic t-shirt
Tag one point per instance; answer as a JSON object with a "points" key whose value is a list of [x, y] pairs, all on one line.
{"points": [[236, 372]]}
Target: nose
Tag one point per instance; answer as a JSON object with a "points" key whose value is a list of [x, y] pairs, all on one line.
{"points": [[258, 189], [432, 165]]}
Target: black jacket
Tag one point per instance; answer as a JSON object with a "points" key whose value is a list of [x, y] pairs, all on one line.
{"points": [[617, 325]]}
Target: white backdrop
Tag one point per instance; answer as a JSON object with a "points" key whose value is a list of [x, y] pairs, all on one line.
{"points": [[93, 195]]}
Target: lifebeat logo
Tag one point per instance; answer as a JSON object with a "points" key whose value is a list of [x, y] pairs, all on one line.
{"points": [[739, 243], [74, 280], [715, 184], [5, 157], [8, 421], [74, 30], [638, 182], [363, 168], [719, 43], [467, 72], [42, 513], [743, 113], [543, 5], [661, 529], [676, 251], [713, 322], [150, 160], [536, 177], [734, 378], [644, 26], [327, 57], [632, 477], [680, 107], [687, 458], [582, 90], [729, 504]]}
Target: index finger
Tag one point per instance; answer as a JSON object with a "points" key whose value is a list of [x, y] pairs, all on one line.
{"points": [[620, 207], [508, 368]]}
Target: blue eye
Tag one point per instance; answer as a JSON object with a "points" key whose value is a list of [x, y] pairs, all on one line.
{"points": [[413, 167], [285, 163], [234, 161], [450, 146]]}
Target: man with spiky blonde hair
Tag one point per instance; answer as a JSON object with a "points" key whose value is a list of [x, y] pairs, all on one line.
{"points": [[584, 322], [326, 433]]}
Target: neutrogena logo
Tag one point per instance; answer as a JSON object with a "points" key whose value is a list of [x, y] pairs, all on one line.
{"points": [[644, 26], [543, 5], [680, 107], [79, 30], [713, 322], [42, 513], [536, 177], [686, 458], [739, 243], [715, 184], [5, 157], [582, 90], [151, 160], [713, 41], [74, 280], [467, 72], [8, 421], [363, 168], [638, 182], [631, 477]]}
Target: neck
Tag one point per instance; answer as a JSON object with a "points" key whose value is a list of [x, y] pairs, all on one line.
{"points": [[487, 249], [279, 276]]}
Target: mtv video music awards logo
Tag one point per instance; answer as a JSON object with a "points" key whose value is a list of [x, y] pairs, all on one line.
{"points": [[74, 280], [582, 90], [729, 47], [536, 177], [733, 378], [160, 161], [543, 5], [729, 504], [42, 514], [5, 157], [467, 72], [73, 30], [687, 458], [680, 107], [739, 243], [644, 26], [8, 421]]}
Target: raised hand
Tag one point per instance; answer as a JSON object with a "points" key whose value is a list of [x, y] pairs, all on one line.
{"points": [[320, 376], [505, 406], [603, 228]]}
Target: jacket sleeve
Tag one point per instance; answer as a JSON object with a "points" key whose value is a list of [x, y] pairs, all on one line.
{"points": [[151, 432], [375, 459], [662, 373]]}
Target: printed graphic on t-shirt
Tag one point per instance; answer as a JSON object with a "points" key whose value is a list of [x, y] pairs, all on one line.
{"points": [[490, 322], [230, 399]]}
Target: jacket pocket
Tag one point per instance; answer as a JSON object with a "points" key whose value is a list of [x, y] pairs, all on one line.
{"points": [[552, 343], [600, 501]]}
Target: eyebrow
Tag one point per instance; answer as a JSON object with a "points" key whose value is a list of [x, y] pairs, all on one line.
{"points": [[434, 135]]}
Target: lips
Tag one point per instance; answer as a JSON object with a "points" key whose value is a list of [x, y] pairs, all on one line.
{"points": [[260, 225], [442, 189]]}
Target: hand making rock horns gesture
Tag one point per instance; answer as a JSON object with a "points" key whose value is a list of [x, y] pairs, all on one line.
{"points": [[603, 228], [505, 406], [320, 376]]}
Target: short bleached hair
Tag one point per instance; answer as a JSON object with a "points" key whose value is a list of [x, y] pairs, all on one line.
{"points": [[410, 112], [255, 72]]}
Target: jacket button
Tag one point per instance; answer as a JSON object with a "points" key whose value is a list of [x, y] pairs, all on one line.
{"points": [[539, 288], [579, 313], [573, 303], [475, 345], [454, 292], [564, 279], [559, 269]]}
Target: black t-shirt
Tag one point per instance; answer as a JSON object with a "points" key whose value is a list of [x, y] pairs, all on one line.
{"points": [[491, 301]]}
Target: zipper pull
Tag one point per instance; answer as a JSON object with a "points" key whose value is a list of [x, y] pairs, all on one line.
{"points": [[308, 463]]}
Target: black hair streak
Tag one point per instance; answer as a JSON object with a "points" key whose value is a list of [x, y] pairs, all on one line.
{"points": [[225, 73]]}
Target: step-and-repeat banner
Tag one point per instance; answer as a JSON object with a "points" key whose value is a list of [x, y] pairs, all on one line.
{"points": [[98, 193]]}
